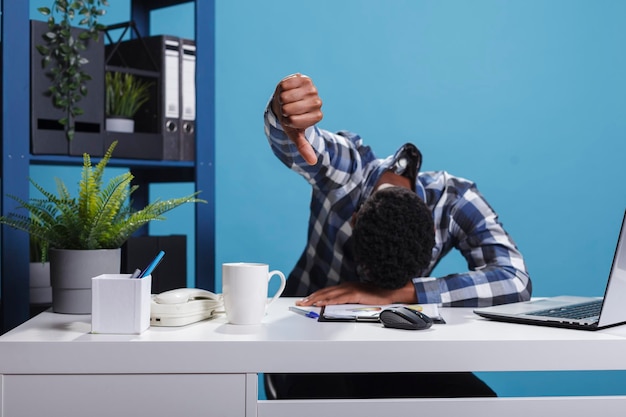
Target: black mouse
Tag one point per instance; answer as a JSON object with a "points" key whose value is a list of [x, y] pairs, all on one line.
{"points": [[405, 318]]}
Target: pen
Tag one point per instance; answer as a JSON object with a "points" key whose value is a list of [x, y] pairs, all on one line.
{"points": [[303, 312], [136, 273], [148, 270]]}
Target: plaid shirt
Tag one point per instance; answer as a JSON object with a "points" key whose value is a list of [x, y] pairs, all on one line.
{"points": [[345, 176]]}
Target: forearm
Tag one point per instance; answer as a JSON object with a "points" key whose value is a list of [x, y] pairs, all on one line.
{"points": [[286, 150], [359, 293], [496, 271], [488, 286], [335, 154], [497, 275]]}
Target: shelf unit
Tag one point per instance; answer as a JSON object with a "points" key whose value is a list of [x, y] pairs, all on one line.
{"points": [[16, 157]]}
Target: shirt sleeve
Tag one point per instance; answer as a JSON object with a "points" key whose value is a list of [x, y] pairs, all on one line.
{"points": [[497, 272], [338, 159]]}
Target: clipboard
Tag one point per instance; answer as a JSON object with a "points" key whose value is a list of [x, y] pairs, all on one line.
{"points": [[370, 313]]}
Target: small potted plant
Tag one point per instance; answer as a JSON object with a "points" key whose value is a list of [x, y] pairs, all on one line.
{"points": [[125, 94], [63, 53], [84, 234]]}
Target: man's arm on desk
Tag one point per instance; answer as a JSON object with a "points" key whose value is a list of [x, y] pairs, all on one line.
{"points": [[359, 293]]}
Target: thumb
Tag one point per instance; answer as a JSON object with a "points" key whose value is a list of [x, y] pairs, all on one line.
{"points": [[304, 147]]}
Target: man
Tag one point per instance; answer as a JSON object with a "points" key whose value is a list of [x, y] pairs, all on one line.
{"points": [[346, 175]]}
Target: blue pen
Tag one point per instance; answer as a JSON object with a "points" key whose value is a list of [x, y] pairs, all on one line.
{"points": [[155, 262], [306, 313]]}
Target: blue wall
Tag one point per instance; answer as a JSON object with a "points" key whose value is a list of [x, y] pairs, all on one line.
{"points": [[527, 98]]}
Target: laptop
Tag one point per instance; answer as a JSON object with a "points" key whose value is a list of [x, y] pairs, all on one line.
{"points": [[586, 313]]}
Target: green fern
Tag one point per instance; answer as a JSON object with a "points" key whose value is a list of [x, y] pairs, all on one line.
{"points": [[100, 218]]}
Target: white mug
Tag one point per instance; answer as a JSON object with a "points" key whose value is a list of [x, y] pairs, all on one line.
{"points": [[245, 287]]}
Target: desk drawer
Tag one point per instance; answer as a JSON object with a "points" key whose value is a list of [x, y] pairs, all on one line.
{"points": [[123, 395]]}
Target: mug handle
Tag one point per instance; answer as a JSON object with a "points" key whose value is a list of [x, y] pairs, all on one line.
{"points": [[280, 290]]}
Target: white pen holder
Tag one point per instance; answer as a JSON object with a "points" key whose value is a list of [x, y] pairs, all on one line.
{"points": [[120, 304]]}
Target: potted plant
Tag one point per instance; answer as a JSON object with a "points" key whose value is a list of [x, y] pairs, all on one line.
{"points": [[63, 53], [84, 234], [124, 96]]}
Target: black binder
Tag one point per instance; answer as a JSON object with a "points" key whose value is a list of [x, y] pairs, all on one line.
{"points": [[162, 54]]}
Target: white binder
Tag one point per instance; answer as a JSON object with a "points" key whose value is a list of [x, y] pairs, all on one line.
{"points": [[188, 99]]}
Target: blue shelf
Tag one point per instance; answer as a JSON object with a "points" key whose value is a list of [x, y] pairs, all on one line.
{"points": [[117, 162], [16, 157]]}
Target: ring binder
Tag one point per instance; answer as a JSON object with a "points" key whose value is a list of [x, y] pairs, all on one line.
{"points": [[188, 100], [165, 53]]}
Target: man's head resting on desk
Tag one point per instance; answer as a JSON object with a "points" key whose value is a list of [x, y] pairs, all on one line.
{"points": [[393, 235]]}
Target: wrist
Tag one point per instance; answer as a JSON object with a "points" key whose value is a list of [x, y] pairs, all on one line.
{"points": [[275, 107], [406, 294]]}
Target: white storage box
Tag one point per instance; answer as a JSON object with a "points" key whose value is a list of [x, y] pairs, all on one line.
{"points": [[120, 304]]}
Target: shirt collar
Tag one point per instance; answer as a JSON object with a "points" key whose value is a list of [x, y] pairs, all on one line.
{"points": [[407, 161]]}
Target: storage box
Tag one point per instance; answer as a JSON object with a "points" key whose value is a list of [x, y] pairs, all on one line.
{"points": [[141, 145], [120, 304], [47, 134]]}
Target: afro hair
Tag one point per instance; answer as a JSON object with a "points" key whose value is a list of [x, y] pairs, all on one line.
{"points": [[393, 237]]}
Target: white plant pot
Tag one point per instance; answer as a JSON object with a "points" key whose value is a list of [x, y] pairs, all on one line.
{"points": [[120, 124]]}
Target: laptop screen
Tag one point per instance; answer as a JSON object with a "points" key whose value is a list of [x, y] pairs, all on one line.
{"points": [[613, 309]]}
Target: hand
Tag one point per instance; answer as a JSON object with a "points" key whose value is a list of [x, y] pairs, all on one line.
{"points": [[359, 293], [297, 106]]}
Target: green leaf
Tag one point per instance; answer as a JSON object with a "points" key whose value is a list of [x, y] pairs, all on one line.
{"points": [[62, 103], [43, 50], [45, 61], [100, 217]]}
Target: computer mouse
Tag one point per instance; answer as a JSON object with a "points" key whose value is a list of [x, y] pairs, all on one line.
{"points": [[401, 317]]}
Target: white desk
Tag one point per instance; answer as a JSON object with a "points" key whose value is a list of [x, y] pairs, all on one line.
{"points": [[51, 365]]}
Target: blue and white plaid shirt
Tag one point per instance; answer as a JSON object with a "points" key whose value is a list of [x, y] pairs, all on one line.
{"points": [[345, 175]]}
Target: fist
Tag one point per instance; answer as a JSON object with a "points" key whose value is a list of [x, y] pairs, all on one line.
{"points": [[297, 106]]}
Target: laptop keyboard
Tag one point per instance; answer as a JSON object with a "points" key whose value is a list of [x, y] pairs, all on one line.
{"points": [[575, 312]]}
